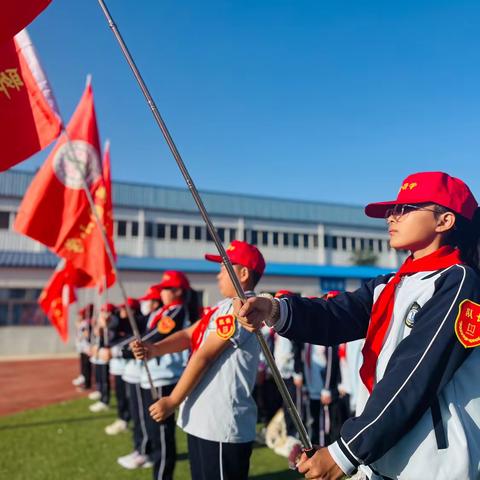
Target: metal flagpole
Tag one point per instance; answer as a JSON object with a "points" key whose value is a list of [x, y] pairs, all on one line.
{"points": [[304, 438], [108, 250]]}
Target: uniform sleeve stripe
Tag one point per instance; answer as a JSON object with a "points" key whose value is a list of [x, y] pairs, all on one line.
{"points": [[419, 362], [348, 453]]}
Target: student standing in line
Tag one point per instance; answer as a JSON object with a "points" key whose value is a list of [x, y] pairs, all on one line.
{"points": [[215, 390], [418, 409]]}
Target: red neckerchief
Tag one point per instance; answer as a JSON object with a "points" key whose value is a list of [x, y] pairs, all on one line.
{"points": [[153, 322], [200, 329], [382, 310]]}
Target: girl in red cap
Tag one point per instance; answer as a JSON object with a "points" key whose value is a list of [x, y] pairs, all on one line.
{"points": [[418, 408]]}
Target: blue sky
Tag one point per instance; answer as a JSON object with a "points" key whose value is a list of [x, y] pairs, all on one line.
{"points": [[324, 100]]}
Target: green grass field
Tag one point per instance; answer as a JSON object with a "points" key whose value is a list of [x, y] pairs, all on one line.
{"points": [[67, 442]]}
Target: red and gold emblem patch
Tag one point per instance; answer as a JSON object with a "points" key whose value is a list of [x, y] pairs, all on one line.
{"points": [[225, 326], [165, 325], [467, 324]]}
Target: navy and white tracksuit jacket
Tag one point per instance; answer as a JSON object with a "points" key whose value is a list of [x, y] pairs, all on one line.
{"points": [[422, 419]]}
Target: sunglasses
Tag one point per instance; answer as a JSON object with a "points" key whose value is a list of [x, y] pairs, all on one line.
{"points": [[404, 209]]}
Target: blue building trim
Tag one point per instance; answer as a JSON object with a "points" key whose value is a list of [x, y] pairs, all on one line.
{"points": [[48, 260]]}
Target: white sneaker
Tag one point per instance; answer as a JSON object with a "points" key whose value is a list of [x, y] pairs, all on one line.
{"points": [[98, 407], [118, 426], [80, 380], [94, 396], [133, 461]]}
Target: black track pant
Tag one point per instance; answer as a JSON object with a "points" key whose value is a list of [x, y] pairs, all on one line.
{"points": [[123, 410], [137, 414], [102, 379], [161, 436], [218, 461], [86, 369]]}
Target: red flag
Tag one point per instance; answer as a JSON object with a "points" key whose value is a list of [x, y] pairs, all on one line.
{"points": [[55, 210], [56, 297], [29, 118], [18, 14], [108, 219], [95, 260]]}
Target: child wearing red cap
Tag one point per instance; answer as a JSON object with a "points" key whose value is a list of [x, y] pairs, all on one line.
{"points": [[418, 409], [217, 409]]}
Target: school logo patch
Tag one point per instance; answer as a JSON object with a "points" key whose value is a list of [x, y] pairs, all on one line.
{"points": [[410, 316], [165, 325], [467, 324], [225, 326]]}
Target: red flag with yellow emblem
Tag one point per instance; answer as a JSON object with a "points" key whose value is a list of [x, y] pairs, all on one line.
{"points": [[56, 297], [29, 118]]}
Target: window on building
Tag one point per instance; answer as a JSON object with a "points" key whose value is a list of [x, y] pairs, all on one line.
{"points": [[209, 237], [186, 232], [315, 241], [4, 220], [331, 241], [161, 229], [233, 234], [286, 239], [328, 284], [198, 233], [121, 228], [265, 238], [295, 240], [149, 229], [305, 241], [354, 243], [173, 232], [19, 306], [362, 244], [275, 238], [380, 245], [344, 243], [370, 243], [134, 229], [221, 233], [254, 237]]}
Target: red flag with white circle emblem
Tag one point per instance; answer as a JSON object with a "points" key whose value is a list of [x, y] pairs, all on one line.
{"points": [[55, 210]]}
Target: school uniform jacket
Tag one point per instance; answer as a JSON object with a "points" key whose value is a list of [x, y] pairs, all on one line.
{"points": [[167, 369], [422, 419]]}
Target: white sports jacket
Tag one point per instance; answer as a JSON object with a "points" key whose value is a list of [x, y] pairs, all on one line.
{"points": [[422, 419]]}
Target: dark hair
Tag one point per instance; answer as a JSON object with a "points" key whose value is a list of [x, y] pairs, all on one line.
{"points": [[192, 304], [255, 277], [465, 235]]}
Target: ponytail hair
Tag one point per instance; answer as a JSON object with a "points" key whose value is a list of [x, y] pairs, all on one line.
{"points": [[466, 236], [192, 304]]}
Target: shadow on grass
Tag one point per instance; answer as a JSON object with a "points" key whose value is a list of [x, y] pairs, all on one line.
{"points": [[56, 422]]}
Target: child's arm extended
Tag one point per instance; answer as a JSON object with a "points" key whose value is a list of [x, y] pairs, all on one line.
{"points": [[176, 342], [197, 366]]}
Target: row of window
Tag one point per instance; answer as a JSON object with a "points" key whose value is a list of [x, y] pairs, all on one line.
{"points": [[353, 244], [165, 231]]}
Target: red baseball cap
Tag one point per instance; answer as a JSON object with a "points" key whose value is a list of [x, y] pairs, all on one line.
{"points": [[283, 293], [153, 293], [242, 253], [430, 187], [173, 279], [133, 303], [108, 307]]}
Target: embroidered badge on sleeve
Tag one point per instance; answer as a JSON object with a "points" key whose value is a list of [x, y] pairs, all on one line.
{"points": [[467, 324], [225, 326], [165, 325]]}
